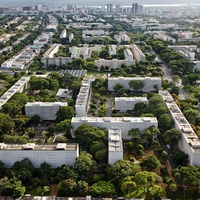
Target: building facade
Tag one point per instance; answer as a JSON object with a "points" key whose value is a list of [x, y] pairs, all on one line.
{"points": [[123, 123], [150, 84], [115, 146], [123, 104], [45, 110], [55, 155]]}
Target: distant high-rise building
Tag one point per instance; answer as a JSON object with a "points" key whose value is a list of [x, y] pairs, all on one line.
{"points": [[118, 8], [134, 8], [110, 7]]}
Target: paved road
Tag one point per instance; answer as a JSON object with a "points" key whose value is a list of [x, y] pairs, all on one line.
{"points": [[109, 107], [167, 74]]}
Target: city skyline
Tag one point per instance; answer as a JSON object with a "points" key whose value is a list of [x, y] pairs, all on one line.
{"points": [[91, 2]]}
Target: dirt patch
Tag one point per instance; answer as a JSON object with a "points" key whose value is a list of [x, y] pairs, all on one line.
{"points": [[54, 190]]}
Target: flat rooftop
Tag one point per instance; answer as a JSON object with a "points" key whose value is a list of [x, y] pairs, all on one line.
{"points": [[39, 147], [114, 119]]}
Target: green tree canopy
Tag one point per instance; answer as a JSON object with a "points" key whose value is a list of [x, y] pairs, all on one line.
{"points": [[64, 112]]}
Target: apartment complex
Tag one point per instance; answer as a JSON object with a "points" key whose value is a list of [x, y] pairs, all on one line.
{"points": [[123, 104], [20, 60], [49, 59], [123, 123], [115, 146], [122, 37], [83, 98], [188, 51], [138, 54], [55, 155], [45, 110], [150, 84], [19, 86], [189, 142]]}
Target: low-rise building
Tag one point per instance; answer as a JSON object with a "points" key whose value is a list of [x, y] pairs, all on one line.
{"points": [[123, 104], [55, 155], [189, 142], [150, 83], [123, 123], [63, 34], [122, 37], [71, 36], [45, 110], [113, 64], [19, 86], [188, 51], [112, 50], [115, 146], [83, 98], [128, 54], [138, 54]]}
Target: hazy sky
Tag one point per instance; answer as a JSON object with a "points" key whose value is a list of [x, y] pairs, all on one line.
{"points": [[91, 2]]}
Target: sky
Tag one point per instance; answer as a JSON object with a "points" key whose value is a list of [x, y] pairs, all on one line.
{"points": [[91, 2]]}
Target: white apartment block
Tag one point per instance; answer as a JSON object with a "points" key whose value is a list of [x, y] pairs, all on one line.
{"points": [[55, 155], [112, 50], [83, 98], [42, 39], [138, 54], [63, 34], [113, 64], [123, 123], [128, 54], [94, 32], [189, 142], [188, 51], [150, 83], [123, 104], [163, 36], [51, 51], [58, 61], [84, 51], [19, 86], [115, 146], [49, 59], [20, 60], [71, 36], [122, 37], [45, 110]]}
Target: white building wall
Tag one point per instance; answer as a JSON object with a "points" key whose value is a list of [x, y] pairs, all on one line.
{"points": [[125, 124], [45, 110], [149, 83], [128, 103], [55, 158], [115, 146], [138, 54]]}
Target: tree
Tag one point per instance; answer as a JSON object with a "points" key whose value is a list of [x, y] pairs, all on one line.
{"points": [[136, 84], [75, 87], [140, 149], [6, 123], [127, 187], [64, 126], [65, 172], [150, 162], [13, 187], [155, 191], [104, 189], [84, 163], [172, 137], [122, 169], [82, 188], [64, 112], [86, 134], [67, 187], [24, 169], [165, 122]]}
